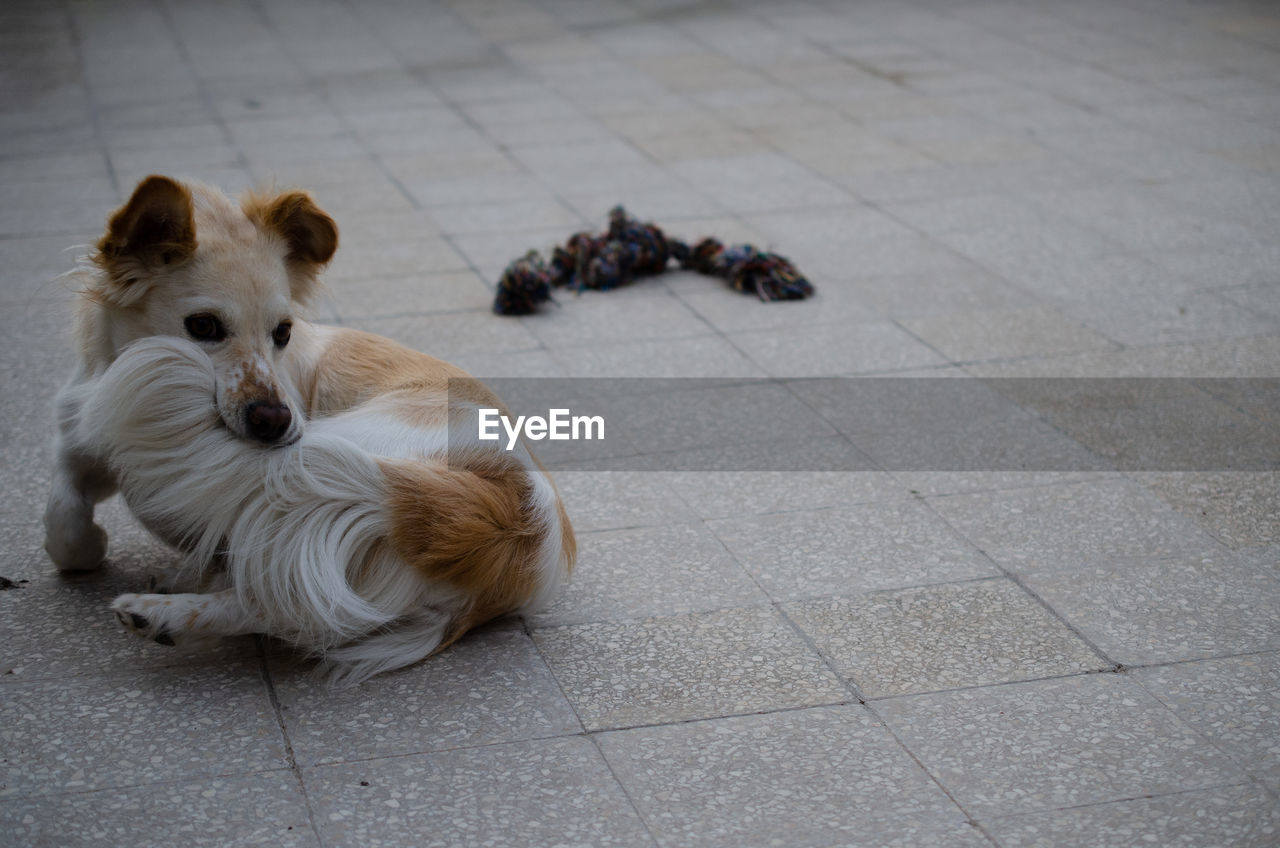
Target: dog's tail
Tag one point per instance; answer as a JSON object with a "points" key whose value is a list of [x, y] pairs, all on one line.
{"points": [[298, 527]]}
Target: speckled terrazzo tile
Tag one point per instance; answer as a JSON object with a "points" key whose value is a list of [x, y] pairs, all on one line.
{"points": [[832, 350], [1244, 816], [650, 571], [95, 732], [1064, 527], [388, 296], [624, 315], [1005, 333], [59, 627], [961, 482], [1235, 702], [686, 667], [947, 423], [1141, 611], [729, 494], [448, 334], [1242, 508], [489, 687], [606, 500], [554, 792], [692, 414], [799, 555], [262, 809], [1047, 744], [696, 356], [749, 780], [942, 637]]}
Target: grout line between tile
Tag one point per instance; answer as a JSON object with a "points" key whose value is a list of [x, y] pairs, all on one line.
{"points": [[264, 668]]}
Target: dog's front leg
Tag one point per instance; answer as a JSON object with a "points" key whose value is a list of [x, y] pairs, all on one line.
{"points": [[187, 618], [73, 541]]}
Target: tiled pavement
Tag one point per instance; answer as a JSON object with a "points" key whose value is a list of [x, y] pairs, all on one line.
{"points": [[746, 658]]}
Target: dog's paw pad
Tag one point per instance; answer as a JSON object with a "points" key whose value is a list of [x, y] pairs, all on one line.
{"points": [[139, 624]]}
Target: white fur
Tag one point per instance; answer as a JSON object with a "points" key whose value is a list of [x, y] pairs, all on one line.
{"points": [[291, 537], [300, 529]]}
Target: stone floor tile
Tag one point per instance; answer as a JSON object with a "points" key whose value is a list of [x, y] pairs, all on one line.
{"points": [[688, 414], [917, 423], [1243, 815], [1232, 701], [665, 205], [812, 553], [645, 572], [830, 350], [449, 333], [516, 364], [1049, 744], [640, 313], [489, 687], [760, 182], [1241, 508], [34, 208], [609, 500], [1153, 319], [959, 482], [686, 667], [942, 637], [1005, 334], [356, 261], [696, 356], [733, 494], [54, 626], [1167, 610], [834, 300], [1256, 356], [507, 216], [392, 296], [259, 809], [1039, 529], [1262, 298], [917, 296], [90, 732], [553, 792], [750, 781]]}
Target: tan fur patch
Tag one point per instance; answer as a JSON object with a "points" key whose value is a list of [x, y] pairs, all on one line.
{"points": [[357, 367], [309, 234], [155, 228], [471, 528]]}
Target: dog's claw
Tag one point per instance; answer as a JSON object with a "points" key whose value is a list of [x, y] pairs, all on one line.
{"points": [[139, 622], [164, 638]]}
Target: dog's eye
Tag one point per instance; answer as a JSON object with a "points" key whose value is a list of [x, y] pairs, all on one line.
{"points": [[205, 328], [280, 335]]}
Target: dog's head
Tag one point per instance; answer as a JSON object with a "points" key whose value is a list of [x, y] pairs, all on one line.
{"points": [[185, 260]]}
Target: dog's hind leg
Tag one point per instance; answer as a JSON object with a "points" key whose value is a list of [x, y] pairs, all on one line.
{"points": [[187, 618]]}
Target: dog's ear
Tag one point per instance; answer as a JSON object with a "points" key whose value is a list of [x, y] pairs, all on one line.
{"points": [[309, 234], [155, 229]]}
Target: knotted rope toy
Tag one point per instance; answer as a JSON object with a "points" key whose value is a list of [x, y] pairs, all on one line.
{"points": [[630, 250]]}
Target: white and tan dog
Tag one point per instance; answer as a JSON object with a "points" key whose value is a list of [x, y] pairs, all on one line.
{"points": [[307, 472]]}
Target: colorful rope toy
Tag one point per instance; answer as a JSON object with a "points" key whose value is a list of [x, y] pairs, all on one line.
{"points": [[631, 250]]}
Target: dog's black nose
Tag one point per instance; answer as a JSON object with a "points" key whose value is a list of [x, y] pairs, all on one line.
{"points": [[267, 422]]}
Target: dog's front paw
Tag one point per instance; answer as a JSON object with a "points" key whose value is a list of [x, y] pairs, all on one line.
{"points": [[140, 615], [83, 551]]}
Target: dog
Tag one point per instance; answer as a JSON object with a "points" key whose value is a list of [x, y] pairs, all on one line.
{"points": [[319, 481]]}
